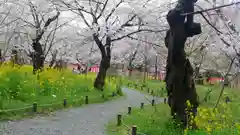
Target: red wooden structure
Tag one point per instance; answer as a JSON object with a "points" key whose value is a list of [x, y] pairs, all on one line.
{"points": [[94, 68], [213, 80]]}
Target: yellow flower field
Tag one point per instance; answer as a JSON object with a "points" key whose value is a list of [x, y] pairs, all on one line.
{"points": [[19, 88]]}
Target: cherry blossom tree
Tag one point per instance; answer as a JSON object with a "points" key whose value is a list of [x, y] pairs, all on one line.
{"points": [[38, 27], [107, 22]]}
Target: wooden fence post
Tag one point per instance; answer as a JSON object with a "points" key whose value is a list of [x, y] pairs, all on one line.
{"points": [[153, 102], [129, 110], [142, 105], [119, 120], [35, 107], [113, 94], [64, 102], [152, 92], [134, 130], [86, 100]]}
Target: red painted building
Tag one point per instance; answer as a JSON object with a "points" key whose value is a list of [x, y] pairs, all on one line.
{"points": [[213, 80], [94, 68]]}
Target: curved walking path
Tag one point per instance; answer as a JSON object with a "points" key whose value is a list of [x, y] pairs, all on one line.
{"points": [[87, 120]]}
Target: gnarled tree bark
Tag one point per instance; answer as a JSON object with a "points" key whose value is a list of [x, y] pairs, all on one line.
{"points": [[37, 56], [105, 61], [179, 77]]}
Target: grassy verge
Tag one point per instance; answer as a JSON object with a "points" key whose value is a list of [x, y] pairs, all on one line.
{"points": [[19, 89], [153, 87], [157, 121]]}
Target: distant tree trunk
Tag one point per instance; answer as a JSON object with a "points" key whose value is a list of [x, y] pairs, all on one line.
{"points": [[130, 72], [14, 57], [198, 76], [179, 77], [1, 57], [130, 67], [156, 68], [37, 57], [54, 57], [105, 61], [132, 58], [145, 72], [60, 65]]}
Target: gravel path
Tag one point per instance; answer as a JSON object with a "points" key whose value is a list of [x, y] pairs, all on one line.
{"points": [[87, 120]]}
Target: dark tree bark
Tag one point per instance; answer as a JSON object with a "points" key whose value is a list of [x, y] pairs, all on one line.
{"points": [[105, 61], [132, 58], [1, 57], [14, 57], [53, 60], [156, 68], [179, 77], [38, 57], [130, 66]]}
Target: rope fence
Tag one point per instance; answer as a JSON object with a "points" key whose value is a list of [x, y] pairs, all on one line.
{"points": [[35, 106], [132, 130]]}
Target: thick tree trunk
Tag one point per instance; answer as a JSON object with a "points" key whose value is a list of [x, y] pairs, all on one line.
{"points": [[100, 80], [37, 58], [179, 78], [105, 61]]}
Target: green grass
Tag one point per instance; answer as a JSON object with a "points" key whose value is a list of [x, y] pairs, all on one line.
{"points": [[157, 120], [19, 89], [153, 87]]}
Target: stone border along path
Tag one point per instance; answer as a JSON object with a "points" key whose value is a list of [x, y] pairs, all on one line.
{"points": [[87, 120]]}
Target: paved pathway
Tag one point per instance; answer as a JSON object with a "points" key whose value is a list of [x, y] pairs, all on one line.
{"points": [[86, 120]]}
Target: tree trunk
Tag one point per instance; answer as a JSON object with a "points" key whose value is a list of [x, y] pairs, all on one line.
{"points": [[145, 73], [130, 68], [100, 80], [1, 57], [156, 69], [105, 61], [14, 57], [37, 57], [179, 77], [130, 72], [54, 57]]}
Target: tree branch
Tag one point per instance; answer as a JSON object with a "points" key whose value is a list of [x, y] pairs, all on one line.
{"points": [[49, 21], [104, 7], [158, 45], [209, 9], [99, 44], [113, 10], [137, 31]]}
